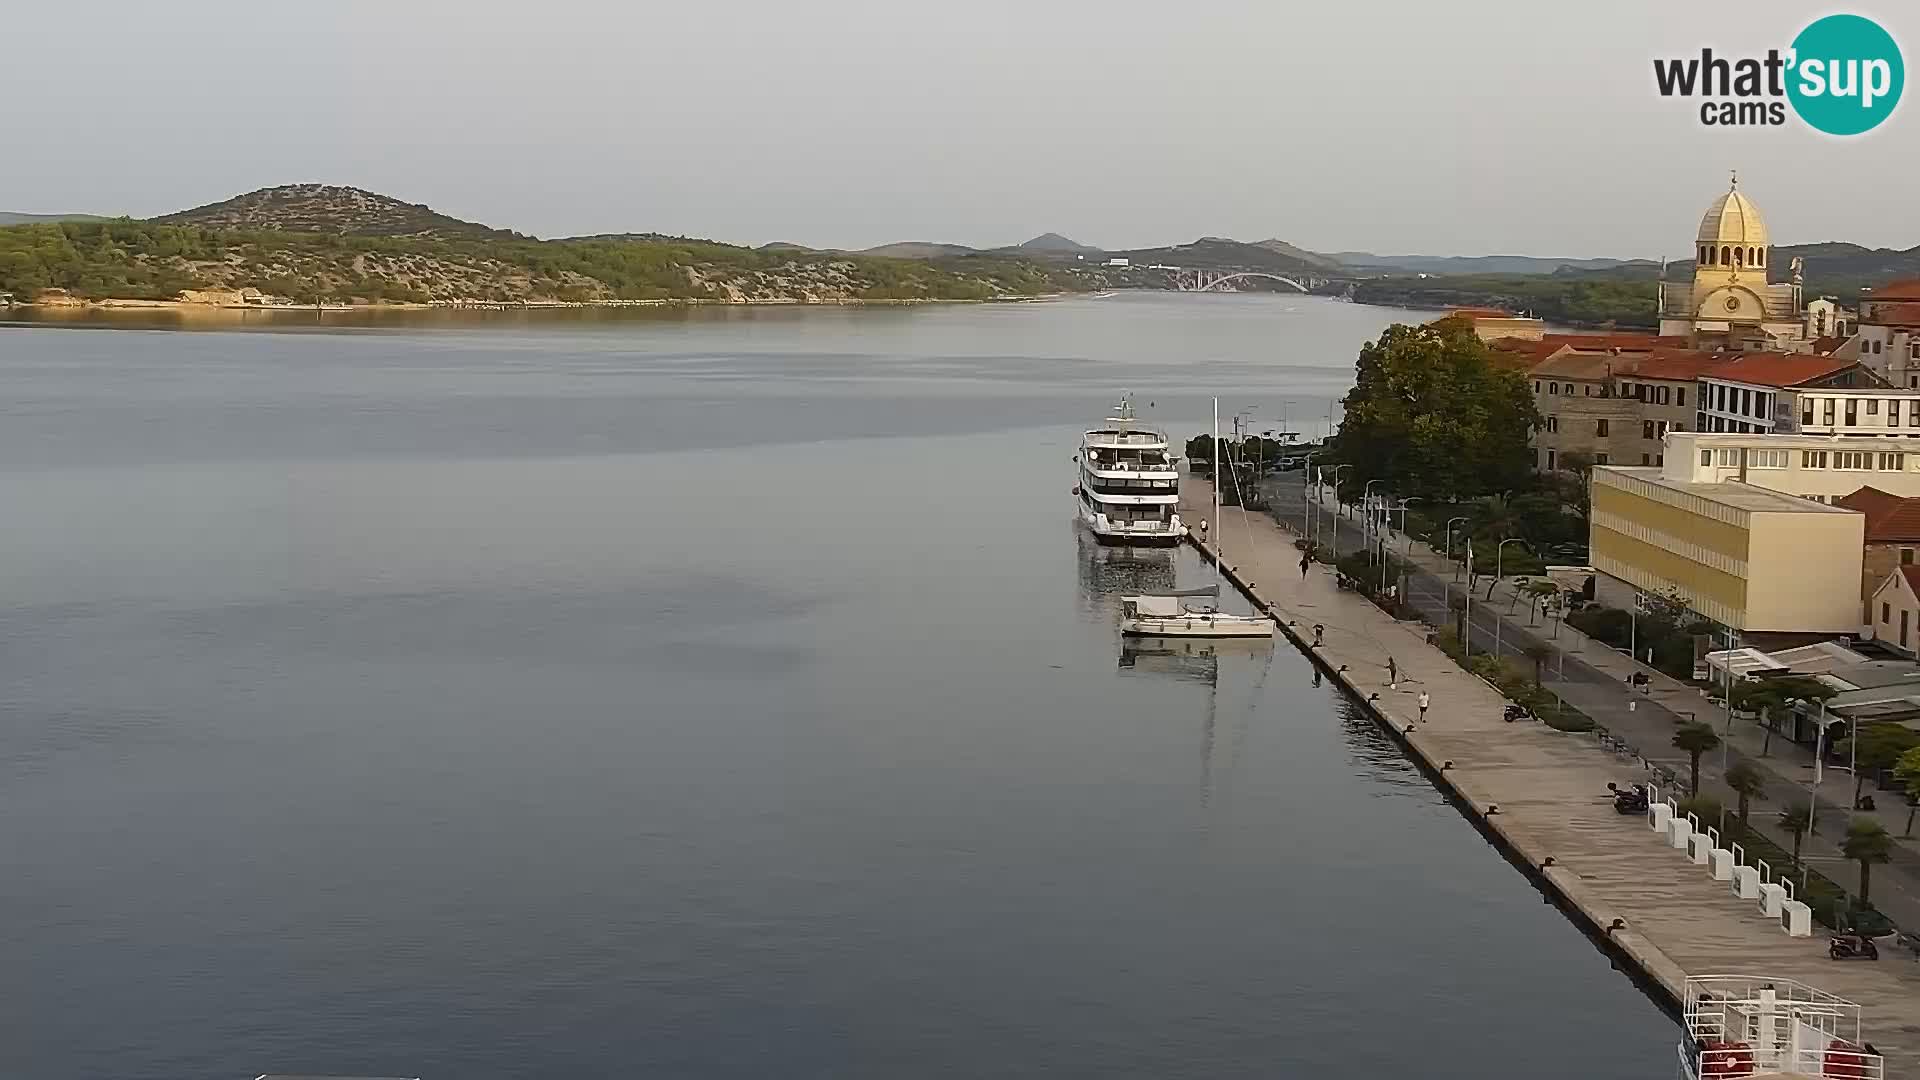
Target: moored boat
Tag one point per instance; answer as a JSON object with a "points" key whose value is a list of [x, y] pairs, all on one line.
{"points": [[1129, 489]]}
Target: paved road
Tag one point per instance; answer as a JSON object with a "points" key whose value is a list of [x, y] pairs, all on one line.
{"points": [[1592, 678]]}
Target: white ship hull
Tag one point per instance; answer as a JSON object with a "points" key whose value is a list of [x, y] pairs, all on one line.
{"points": [[1196, 625]]}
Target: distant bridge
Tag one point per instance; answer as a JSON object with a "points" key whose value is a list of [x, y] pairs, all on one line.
{"points": [[1202, 281]]}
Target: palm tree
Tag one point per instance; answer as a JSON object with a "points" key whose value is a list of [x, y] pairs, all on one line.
{"points": [[1773, 696], [1538, 653], [1867, 842], [1748, 783], [1798, 821], [1696, 739], [1907, 770], [1878, 746]]}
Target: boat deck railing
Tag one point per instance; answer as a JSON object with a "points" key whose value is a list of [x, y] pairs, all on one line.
{"points": [[1743, 1024], [1125, 438]]}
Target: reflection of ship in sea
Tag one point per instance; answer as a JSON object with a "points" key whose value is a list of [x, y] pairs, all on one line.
{"points": [[1114, 571], [1192, 660]]}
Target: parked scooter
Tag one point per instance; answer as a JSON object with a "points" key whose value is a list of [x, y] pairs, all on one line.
{"points": [[1850, 944], [1629, 800], [1516, 712]]}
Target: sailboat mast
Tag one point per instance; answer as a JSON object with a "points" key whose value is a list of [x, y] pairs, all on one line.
{"points": [[1218, 527]]}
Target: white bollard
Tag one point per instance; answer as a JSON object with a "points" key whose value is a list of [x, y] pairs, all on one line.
{"points": [[1746, 882], [1773, 898], [1721, 861], [1678, 832], [1796, 919], [1698, 845], [1661, 814]]}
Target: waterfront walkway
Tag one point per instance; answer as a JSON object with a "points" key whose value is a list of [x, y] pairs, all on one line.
{"points": [[1544, 793], [1592, 677]]}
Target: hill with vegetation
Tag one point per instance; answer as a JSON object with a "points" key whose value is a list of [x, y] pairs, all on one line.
{"points": [[10, 218], [326, 208], [309, 244], [1625, 295]]}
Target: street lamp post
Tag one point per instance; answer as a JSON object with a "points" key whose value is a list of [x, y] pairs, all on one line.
{"points": [[1309, 478], [1333, 531], [1450, 521], [1366, 503], [1408, 542], [1499, 556]]}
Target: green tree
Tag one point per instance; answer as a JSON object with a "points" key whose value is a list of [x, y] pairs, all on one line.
{"points": [[1867, 842], [1430, 415], [1877, 746], [1772, 698], [1907, 770], [1747, 783], [1798, 821], [1696, 739]]}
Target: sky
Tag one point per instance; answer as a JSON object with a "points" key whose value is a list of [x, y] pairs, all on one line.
{"points": [[1463, 127]]}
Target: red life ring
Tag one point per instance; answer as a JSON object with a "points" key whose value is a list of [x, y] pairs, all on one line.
{"points": [[1720, 1058]]}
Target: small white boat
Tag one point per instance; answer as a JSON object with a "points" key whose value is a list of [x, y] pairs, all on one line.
{"points": [[1165, 616], [1753, 1026]]}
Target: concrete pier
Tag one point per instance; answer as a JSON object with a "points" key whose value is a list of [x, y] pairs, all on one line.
{"points": [[1541, 795]]}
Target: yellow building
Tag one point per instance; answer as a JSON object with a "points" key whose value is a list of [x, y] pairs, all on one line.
{"points": [[1755, 560]]}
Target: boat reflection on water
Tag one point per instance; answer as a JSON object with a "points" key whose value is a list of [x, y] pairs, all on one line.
{"points": [[1108, 572], [1191, 660]]}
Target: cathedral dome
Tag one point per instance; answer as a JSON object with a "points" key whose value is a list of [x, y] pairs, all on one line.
{"points": [[1733, 219]]}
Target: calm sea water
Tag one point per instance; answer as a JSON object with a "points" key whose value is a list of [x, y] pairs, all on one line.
{"points": [[710, 695]]}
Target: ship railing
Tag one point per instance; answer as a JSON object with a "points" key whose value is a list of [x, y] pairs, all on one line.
{"points": [[1741, 1024], [1126, 438]]}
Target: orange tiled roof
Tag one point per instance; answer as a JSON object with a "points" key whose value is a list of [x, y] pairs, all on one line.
{"points": [[1625, 342], [1822, 346], [1906, 289], [1890, 518], [1568, 363], [1680, 365], [1894, 314], [1777, 369], [1912, 574]]}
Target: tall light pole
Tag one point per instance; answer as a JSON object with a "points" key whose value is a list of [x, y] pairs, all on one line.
{"points": [[1450, 521], [1499, 555], [1366, 502], [1310, 478], [1333, 525], [1333, 531], [1407, 554]]}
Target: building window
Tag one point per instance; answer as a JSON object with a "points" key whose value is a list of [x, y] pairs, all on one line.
{"points": [[1913, 350], [1806, 412], [1646, 459], [1662, 391], [1767, 459], [1905, 618], [1893, 412], [1599, 459], [1852, 460], [1600, 428], [1553, 388], [1680, 392], [1553, 423], [1873, 406], [1853, 412], [1906, 556], [1813, 459], [1659, 459], [1550, 461], [1826, 411], [1886, 612], [1536, 386], [1876, 346], [1646, 429], [1893, 462], [1913, 414], [1706, 457]]}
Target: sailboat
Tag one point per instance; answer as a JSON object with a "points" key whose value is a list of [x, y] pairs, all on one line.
{"points": [[1163, 615]]}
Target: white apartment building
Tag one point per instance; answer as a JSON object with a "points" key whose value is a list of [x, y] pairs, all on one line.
{"points": [[1818, 467], [1869, 412]]}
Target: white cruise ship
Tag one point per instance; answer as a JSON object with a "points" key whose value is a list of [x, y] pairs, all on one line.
{"points": [[1129, 490]]}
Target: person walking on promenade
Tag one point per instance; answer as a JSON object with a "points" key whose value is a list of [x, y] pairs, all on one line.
{"points": [[1393, 674], [1424, 701], [1306, 560], [1318, 630]]}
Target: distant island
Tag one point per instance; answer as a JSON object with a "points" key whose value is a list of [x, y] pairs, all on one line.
{"points": [[316, 244], [312, 244]]}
